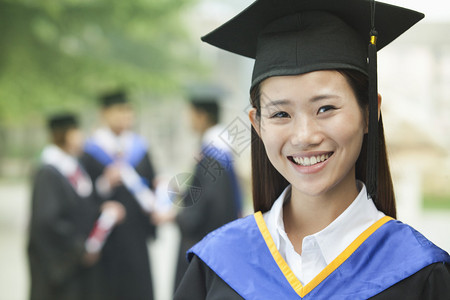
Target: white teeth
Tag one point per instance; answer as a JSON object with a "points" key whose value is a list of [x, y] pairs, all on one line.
{"points": [[309, 161], [306, 161]]}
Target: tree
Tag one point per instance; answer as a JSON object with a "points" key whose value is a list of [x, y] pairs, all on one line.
{"points": [[62, 53]]}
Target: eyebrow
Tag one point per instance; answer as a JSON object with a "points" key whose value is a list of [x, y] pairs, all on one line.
{"points": [[323, 97], [277, 103], [282, 102]]}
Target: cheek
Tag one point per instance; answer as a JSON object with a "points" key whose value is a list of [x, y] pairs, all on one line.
{"points": [[127, 121], [78, 140], [111, 120], [128, 116], [75, 141], [350, 133], [273, 141]]}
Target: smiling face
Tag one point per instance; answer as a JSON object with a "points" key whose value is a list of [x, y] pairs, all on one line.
{"points": [[312, 129]]}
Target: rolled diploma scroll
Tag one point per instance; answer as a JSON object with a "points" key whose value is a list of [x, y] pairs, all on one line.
{"points": [[131, 179], [102, 228]]}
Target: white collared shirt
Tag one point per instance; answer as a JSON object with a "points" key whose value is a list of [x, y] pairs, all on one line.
{"points": [[218, 137], [321, 248], [111, 143], [115, 146], [67, 165]]}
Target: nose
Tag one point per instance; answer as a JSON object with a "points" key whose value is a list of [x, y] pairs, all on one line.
{"points": [[306, 133]]}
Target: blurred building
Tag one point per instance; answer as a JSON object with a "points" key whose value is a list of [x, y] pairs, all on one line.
{"points": [[414, 80]]}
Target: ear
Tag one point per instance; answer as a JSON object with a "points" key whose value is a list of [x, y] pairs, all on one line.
{"points": [[252, 115]]}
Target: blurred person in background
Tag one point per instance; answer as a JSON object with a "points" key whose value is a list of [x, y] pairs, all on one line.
{"points": [[63, 215], [117, 159], [214, 195]]}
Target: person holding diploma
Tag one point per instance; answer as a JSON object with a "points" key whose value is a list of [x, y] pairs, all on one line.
{"points": [[117, 159], [65, 219]]}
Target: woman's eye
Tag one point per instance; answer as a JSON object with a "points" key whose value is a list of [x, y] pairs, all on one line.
{"points": [[326, 108], [280, 114]]}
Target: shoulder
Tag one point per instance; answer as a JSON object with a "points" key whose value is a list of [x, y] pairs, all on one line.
{"points": [[225, 237], [47, 171], [47, 178], [404, 238], [200, 282], [431, 282], [396, 251], [138, 140]]}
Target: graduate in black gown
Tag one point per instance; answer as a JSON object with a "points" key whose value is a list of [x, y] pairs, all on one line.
{"points": [[118, 161], [63, 215], [219, 199], [325, 225]]}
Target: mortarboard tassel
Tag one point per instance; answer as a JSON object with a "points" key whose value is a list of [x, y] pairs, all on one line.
{"points": [[372, 141]]}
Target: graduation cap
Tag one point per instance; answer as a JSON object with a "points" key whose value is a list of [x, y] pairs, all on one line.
{"points": [[113, 98], [62, 121], [292, 37]]}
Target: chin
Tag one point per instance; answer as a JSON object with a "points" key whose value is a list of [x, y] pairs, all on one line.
{"points": [[313, 187]]}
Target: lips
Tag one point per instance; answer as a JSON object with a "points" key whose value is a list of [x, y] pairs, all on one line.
{"points": [[310, 160]]}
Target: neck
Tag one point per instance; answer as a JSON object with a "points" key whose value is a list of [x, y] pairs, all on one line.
{"points": [[116, 132], [205, 128], [304, 214], [67, 150]]}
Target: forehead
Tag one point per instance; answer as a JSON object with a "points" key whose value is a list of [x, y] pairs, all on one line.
{"points": [[318, 82], [118, 107], [74, 131]]}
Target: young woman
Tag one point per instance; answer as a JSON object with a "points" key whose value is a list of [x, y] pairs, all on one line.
{"points": [[63, 215], [325, 224]]}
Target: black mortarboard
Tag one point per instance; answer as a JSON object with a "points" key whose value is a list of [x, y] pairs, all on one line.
{"points": [[112, 98], [62, 121], [292, 37]]}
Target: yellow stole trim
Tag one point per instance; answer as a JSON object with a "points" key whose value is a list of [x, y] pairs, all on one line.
{"points": [[301, 290]]}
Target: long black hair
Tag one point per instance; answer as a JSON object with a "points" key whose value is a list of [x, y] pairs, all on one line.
{"points": [[268, 183]]}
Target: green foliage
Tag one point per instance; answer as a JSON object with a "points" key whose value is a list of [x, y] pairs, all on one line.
{"points": [[436, 201], [61, 54]]}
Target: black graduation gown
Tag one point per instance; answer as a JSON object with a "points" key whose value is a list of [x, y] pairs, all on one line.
{"points": [[60, 223], [432, 282], [125, 254], [214, 207]]}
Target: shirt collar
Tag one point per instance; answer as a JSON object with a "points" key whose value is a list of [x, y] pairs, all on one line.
{"points": [[218, 137], [274, 218], [334, 238], [112, 143], [62, 161], [69, 167], [337, 236]]}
